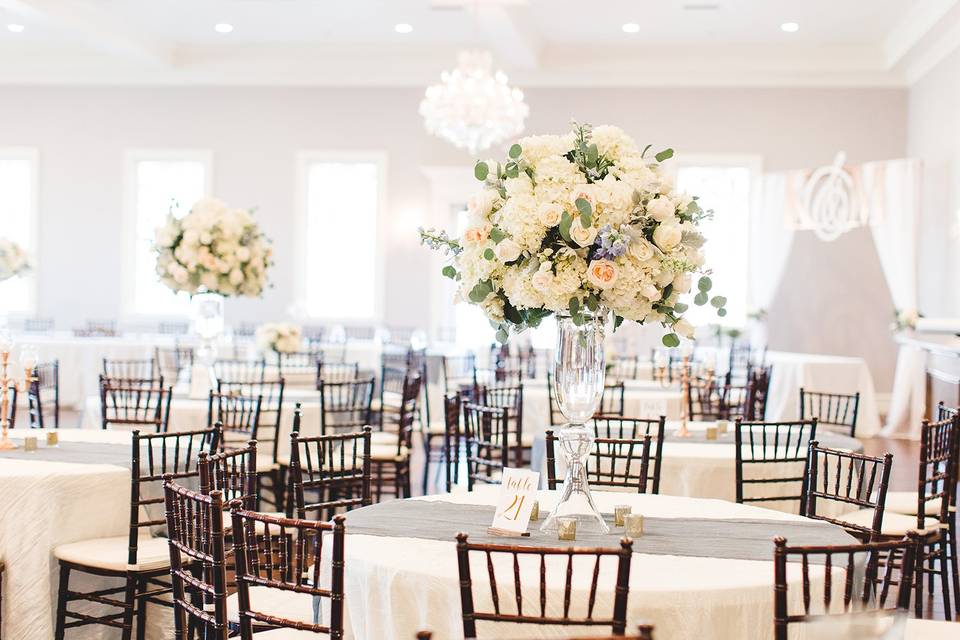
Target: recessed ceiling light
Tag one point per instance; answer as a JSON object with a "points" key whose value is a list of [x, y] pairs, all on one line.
{"points": [[223, 27], [16, 28], [631, 27], [403, 27], [790, 27]]}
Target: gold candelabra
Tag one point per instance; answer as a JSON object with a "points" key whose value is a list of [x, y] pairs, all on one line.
{"points": [[6, 382], [684, 432]]}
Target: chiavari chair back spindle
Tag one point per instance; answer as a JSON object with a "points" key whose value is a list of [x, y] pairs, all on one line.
{"points": [[619, 463], [488, 443], [239, 416], [345, 406], [510, 397], [174, 363], [147, 369], [771, 460], [43, 396], [619, 428], [298, 362], [508, 564], [458, 371], [337, 371], [329, 474], [240, 370], [232, 472], [128, 405], [834, 411]]}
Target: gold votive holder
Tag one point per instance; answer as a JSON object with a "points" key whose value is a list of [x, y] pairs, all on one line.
{"points": [[53, 439], [712, 433], [30, 444], [535, 511], [619, 513], [566, 528], [633, 522], [723, 426]]}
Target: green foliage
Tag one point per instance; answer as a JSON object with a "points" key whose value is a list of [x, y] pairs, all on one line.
{"points": [[700, 299], [565, 221], [515, 151], [586, 211], [704, 284], [488, 254], [497, 235], [480, 291], [666, 154], [449, 272], [481, 170], [671, 340]]}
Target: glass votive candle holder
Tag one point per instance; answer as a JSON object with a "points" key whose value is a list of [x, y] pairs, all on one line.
{"points": [[633, 523], [535, 511], [30, 444], [567, 528], [619, 512], [722, 426], [53, 439], [712, 433]]}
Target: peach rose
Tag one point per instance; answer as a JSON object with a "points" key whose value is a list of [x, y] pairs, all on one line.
{"points": [[474, 235], [602, 273]]}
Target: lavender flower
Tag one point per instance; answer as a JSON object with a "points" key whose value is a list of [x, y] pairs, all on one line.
{"points": [[612, 243]]}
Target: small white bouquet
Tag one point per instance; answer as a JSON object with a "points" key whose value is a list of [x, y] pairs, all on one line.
{"points": [[905, 320], [280, 337], [213, 248], [13, 259], [576, 222]]}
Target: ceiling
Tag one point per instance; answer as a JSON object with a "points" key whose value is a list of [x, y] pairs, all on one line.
{"points": [[537, 42]]}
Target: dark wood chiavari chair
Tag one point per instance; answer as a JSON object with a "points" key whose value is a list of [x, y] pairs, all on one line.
{"points": [[849, 480], [705, 400], [515, 556], [458, 371], [285, 555], [43, 397], [618, 427], [392, 444], [126, 404], [510, 397], [757, 401], [139, 559], [238, 415], [345, 406], [146, 369], [197, 545], [623, 368], [329, 474], [487, 431], [174, 363], [612, 401], [780, 446], [269, 422], [337, 371], [239, 370], [622, 463], [876, 576], [835, 411], [232, 472], [330, 352], [299, 362], [453, 438]]}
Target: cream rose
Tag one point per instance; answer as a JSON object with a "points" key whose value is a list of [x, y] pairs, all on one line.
{"points": [[651, 292], [542, 279], [682, 283], [602, 273], [582, 236], [640, 249], [507, 250], [667, 236], [684, 328], [661, 209], [549, 214]]}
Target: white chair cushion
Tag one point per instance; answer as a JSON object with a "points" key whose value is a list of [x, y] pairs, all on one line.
{"points": [[287, 634], [111, 553], [436, 428], [383, 438], [388, 453], [894, 524], [906, 502], [274, 602]]}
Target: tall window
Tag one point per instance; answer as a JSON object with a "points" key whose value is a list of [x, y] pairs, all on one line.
{"points": [[158, 182], [723, 185], [342, 195], [18, 220]]}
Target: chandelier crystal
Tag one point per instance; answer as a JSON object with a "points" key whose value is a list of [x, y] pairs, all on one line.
{"points": [[473, 106]]}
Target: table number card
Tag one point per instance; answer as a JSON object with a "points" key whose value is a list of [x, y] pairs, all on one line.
{"points": [[517, 495]]}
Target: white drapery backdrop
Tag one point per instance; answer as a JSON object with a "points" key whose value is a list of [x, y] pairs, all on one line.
{"points": [[889, 191]]}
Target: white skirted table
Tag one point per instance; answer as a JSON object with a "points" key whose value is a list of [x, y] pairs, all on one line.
{"points": [[397, 585], [641, 398], [46, 503]]}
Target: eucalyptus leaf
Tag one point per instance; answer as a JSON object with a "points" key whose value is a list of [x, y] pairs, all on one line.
{"points": [[497, 235], [700, 299], [488, 254], [515, 151], [680, 307], [574, 307], [481, 170], [718, 301], [671, 340], [502, 336], [449, 272], [704, 284], [480, 291], [645, 149], [617, 321], [721, 312], [666, 154], [583, 206], [565, 221]]}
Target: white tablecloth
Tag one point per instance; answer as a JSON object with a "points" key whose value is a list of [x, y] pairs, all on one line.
{"points": [[187, 414], [46, 504], [396, 586], [834, 374]]}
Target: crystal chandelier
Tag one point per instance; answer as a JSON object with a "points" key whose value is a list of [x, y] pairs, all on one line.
{"points": [[473, 107]]}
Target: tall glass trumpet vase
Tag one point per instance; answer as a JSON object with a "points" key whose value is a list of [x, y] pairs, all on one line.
{"points": [[578, 387], [207, 309]]}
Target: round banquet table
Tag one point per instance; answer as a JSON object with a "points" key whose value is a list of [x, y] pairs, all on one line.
{"points": [[398, 585], [698, 468], [53, 497], [188, 413]]}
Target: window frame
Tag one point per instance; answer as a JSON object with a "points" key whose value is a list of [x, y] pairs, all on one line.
{"points": [[32, 156], [131, 160], [304, 159], [754, 165]]}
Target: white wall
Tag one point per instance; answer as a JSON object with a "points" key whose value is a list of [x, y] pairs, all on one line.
{"points": [[254, 133], [934, 136]]}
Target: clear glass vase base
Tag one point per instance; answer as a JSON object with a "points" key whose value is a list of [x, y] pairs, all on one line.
{"points": [[576, 442]]}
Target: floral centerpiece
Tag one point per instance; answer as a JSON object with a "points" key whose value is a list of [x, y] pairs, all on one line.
{"points": [[574, 224], [905, 320], [279, 337], [213, 249], [13, 259]]}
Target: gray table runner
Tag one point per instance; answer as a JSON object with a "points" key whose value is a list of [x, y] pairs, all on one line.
{"points": [[707, 538]]}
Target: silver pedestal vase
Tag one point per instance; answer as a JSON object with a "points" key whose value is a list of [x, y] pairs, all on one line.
{"points": [[578, 386]]}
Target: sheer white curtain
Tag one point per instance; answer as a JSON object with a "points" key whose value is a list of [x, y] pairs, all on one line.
{"points": [[892, 191], [770, 239]]}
